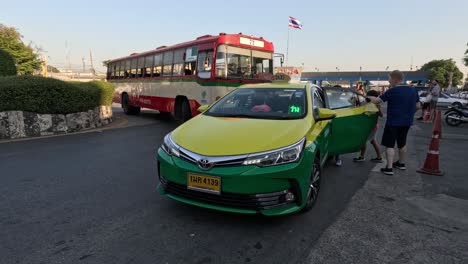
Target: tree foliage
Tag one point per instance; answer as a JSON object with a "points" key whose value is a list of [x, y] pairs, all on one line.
{"points": [[7, 64], [26, 60], [51, 96], [53, 69], [440, 70]]}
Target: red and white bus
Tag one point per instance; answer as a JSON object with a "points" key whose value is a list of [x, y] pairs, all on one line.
{"points": [[178, 79]]}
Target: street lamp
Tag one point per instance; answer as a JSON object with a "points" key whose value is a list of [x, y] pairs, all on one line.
{"points": [[317, 69], [338, 69], [387, 68]]}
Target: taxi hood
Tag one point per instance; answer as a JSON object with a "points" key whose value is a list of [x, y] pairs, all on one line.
{"points": [[224, 136]]}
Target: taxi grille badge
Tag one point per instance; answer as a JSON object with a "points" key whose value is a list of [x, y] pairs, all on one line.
{"points": [[205, 164]]}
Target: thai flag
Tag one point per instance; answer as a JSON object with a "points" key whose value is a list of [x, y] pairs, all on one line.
{"points": [[295, 23]]}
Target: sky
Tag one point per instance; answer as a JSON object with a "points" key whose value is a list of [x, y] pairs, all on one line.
{"points": [[372, 34]]}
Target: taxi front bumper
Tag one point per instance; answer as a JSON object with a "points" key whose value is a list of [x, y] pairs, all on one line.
{"points": [[274, 190]]}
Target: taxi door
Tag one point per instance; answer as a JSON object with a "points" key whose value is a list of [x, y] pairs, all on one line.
{"points": [[355, 119]]}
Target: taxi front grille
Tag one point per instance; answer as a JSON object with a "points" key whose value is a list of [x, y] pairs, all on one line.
{"points": [[217, 161], [239, 201]]}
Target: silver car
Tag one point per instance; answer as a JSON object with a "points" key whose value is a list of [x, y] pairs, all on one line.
{"points": [[444, 100]]}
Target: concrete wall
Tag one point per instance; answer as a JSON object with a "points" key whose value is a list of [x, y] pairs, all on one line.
{"points": [[20, 124]]}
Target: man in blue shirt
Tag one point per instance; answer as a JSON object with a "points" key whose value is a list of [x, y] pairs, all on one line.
{"points": [[402, 103]]}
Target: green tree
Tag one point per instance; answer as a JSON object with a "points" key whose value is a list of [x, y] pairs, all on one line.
{"points": [[7, 64], [26, 60], [465, 59], [51, 68], [441, 70]]}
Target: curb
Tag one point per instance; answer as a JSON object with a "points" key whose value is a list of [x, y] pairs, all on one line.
{"points": [[119, 122]]}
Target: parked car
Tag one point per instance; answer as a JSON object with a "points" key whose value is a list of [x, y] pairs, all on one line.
{"points": [[461, 95], [261, 148], [444, 100]]}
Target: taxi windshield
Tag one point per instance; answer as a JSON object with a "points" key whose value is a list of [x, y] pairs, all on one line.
{"points": [[262, 103]]}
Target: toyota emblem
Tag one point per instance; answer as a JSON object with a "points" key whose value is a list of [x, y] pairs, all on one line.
{"points": [[205, 164]]}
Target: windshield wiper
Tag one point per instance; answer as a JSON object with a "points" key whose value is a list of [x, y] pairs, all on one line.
{"points": [[240, 115], [235, 115], [253, 116]]}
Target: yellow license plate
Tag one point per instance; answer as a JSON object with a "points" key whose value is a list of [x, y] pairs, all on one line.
{"points": [[202, 183]]}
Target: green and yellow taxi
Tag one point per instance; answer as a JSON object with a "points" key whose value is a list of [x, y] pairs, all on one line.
{"points": [[261, 148]]}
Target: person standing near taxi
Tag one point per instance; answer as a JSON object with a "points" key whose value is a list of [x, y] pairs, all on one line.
{"points": [[402, 103], [435, 92]]}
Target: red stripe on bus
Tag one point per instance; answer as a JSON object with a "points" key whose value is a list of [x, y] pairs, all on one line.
{"points": [[162, 104]]}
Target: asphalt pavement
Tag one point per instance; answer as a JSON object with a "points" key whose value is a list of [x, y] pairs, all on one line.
{"points": [[91, 198]]}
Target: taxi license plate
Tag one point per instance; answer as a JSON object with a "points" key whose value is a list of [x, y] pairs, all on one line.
{"points": [[209, 184]]}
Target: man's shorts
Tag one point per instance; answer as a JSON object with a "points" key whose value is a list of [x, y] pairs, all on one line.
{"points": [[394, 134]]}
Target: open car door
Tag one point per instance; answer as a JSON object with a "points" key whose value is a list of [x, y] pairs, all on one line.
{"points": [[355, 119]]}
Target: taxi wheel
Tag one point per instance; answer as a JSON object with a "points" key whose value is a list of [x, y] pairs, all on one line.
{"points": [[314, 186]]}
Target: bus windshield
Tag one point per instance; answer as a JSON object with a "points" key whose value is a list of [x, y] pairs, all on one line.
{"points": [[241, 63]]}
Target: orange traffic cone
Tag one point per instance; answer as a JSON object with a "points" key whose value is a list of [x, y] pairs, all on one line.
{"points": [[437, 128], [431, 164]]}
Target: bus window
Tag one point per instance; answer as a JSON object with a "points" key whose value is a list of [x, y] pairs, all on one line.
{"points": [[148, 66], [178, 62], [263, 64], [236, 63], [127, 69], [133, 68], [109, 69], [167, 63], [190, 60], [189, 68], [239, 62], [191, 54], [157, 69], [119, 70], [140, 66], [204, 64], [220, 70]]}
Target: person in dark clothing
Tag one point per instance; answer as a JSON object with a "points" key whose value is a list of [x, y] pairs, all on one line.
{"points": [[402, 103]]}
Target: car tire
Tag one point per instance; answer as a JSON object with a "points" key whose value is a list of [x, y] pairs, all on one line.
{"points": [[453, 122], [314, 185]]}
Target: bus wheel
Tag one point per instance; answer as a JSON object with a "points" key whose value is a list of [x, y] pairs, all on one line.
{"points": [[127, 108], [185, 111], [182, 111]]}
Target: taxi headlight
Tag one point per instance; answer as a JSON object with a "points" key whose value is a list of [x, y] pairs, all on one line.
{"points": [[169, 146], [281, 156]]}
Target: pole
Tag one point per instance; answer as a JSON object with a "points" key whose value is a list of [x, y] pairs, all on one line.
{"points": [[93, 71], [287, 49]]}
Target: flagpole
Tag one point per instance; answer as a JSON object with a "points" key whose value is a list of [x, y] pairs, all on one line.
{"points": [[287, 49]]}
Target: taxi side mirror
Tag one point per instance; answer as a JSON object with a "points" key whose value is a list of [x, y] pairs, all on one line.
{"points": [[203, 108], [325, 114]]}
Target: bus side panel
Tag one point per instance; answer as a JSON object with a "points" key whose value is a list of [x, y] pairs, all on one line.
{"points": [[160, 95]]}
